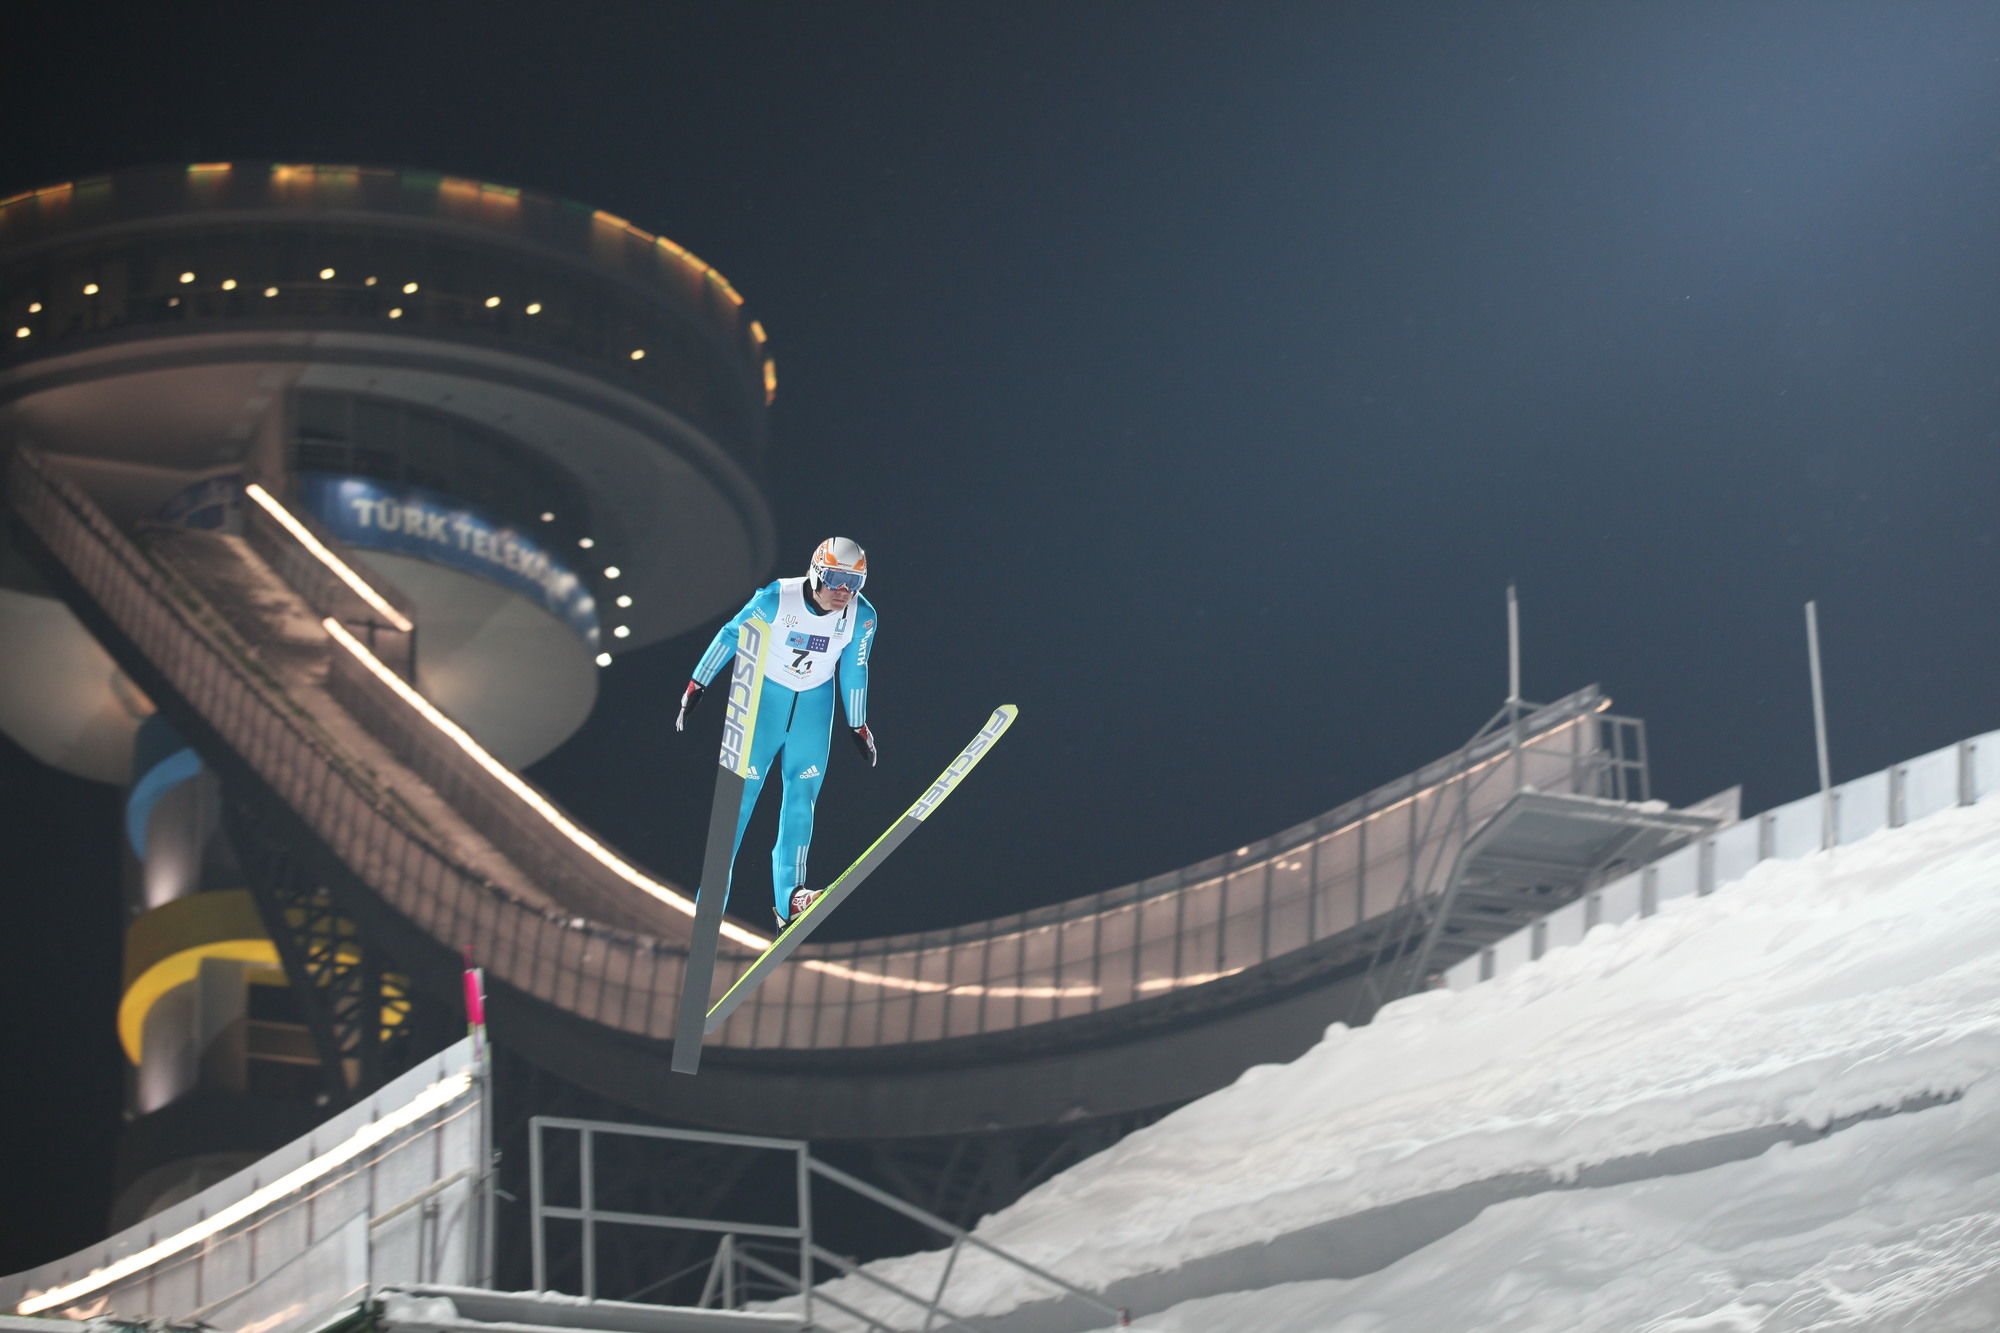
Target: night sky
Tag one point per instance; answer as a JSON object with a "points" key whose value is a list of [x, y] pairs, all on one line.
{"points": [[1198, 376]]}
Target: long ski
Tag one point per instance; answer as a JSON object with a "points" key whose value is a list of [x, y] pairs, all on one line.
{"points": [[795, 932], [739, 724]]}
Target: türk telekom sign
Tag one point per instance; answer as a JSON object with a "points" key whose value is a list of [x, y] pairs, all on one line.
{"points": [[409, 520]]}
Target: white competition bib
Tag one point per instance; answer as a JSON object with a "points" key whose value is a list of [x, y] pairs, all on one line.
{"points": [[805, 646]]}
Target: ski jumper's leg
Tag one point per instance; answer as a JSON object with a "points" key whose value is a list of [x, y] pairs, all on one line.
{"points": [[804, 769], [774, 711]]}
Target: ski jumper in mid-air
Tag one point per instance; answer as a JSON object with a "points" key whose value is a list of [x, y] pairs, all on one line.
{"points": [[822, 629]]}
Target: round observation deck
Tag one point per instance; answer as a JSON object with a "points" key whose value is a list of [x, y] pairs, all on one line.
{"points": [[564, 397]]}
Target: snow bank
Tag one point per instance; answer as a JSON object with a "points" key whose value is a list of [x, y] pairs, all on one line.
{"points": [[1856, 979]]}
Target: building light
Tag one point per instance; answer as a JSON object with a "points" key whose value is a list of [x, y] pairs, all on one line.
{"points": [[187, 277], [492, 301], [604, 659], [90, 289], [229, 284], [586, 542], [325, 273], [547, 517], [409, 288], [341, 569], [34, 307], [270, 291], [534, 307], [22, 332], [612, 571], [397, 313], [173, 300], [638, 354], [622, 632], [369, 282], [623, 600]]}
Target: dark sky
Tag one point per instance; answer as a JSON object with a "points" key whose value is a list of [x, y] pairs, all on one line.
{"points": [[1197, 376]]}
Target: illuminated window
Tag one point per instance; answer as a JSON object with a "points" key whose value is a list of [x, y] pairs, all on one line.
{"points": [[21, 332], [90, 289], [326, 273], [368, 282], [229, 284], [409, 287], [34, 307], [638, 354], [534, 307], [492, 301], [397, 313], [187, 277], [270, 291]]}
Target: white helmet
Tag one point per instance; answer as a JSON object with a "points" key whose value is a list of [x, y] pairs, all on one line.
{"points": [[841, 562]]}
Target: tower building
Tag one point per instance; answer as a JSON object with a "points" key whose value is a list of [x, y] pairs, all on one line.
{"points": [[537, 428]]}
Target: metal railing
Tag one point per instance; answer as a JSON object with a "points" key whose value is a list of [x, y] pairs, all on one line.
{"points": [[1958, 775], [392, 1189], [725, 1286]]}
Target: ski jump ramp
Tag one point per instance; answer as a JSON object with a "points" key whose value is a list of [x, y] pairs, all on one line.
{"points": [[1138, 997]]}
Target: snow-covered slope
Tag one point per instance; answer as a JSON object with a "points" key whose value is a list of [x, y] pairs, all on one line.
{"points": [[1856, 980], [1890, 1225]]}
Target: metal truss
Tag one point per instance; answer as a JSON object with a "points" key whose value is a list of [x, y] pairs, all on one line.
{"points": [[1479, 885], [365, 1021], [1395, 968], [1431, 895]]}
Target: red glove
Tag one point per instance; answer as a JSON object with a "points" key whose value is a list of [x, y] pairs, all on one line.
{"points": [[864, 741], [689, 698]]}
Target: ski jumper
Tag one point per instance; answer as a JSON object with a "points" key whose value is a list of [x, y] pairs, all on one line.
{"points": [[808, 658]]}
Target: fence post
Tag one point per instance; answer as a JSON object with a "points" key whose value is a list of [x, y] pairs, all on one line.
{"points": [[1826, 828], [539, 1246], [804, 1168]]}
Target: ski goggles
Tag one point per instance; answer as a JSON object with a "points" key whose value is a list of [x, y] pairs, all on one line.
{"points": [[843, 578]]}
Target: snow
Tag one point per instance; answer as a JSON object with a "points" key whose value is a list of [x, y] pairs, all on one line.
{"points": [[401, 1307], [1892, 1224], [1855, 981]]}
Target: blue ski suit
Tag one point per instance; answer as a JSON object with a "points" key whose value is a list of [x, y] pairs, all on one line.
{"points": [[802, 658]]}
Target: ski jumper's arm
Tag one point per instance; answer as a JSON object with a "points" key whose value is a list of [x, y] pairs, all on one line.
{"points": [[854, 663], [762, 604]]}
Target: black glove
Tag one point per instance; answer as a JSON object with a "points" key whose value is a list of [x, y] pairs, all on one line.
{"points": [[689, 699], [864, 741]]}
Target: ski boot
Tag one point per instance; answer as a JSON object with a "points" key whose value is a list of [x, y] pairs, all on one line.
{"points": [[802, 898]]}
